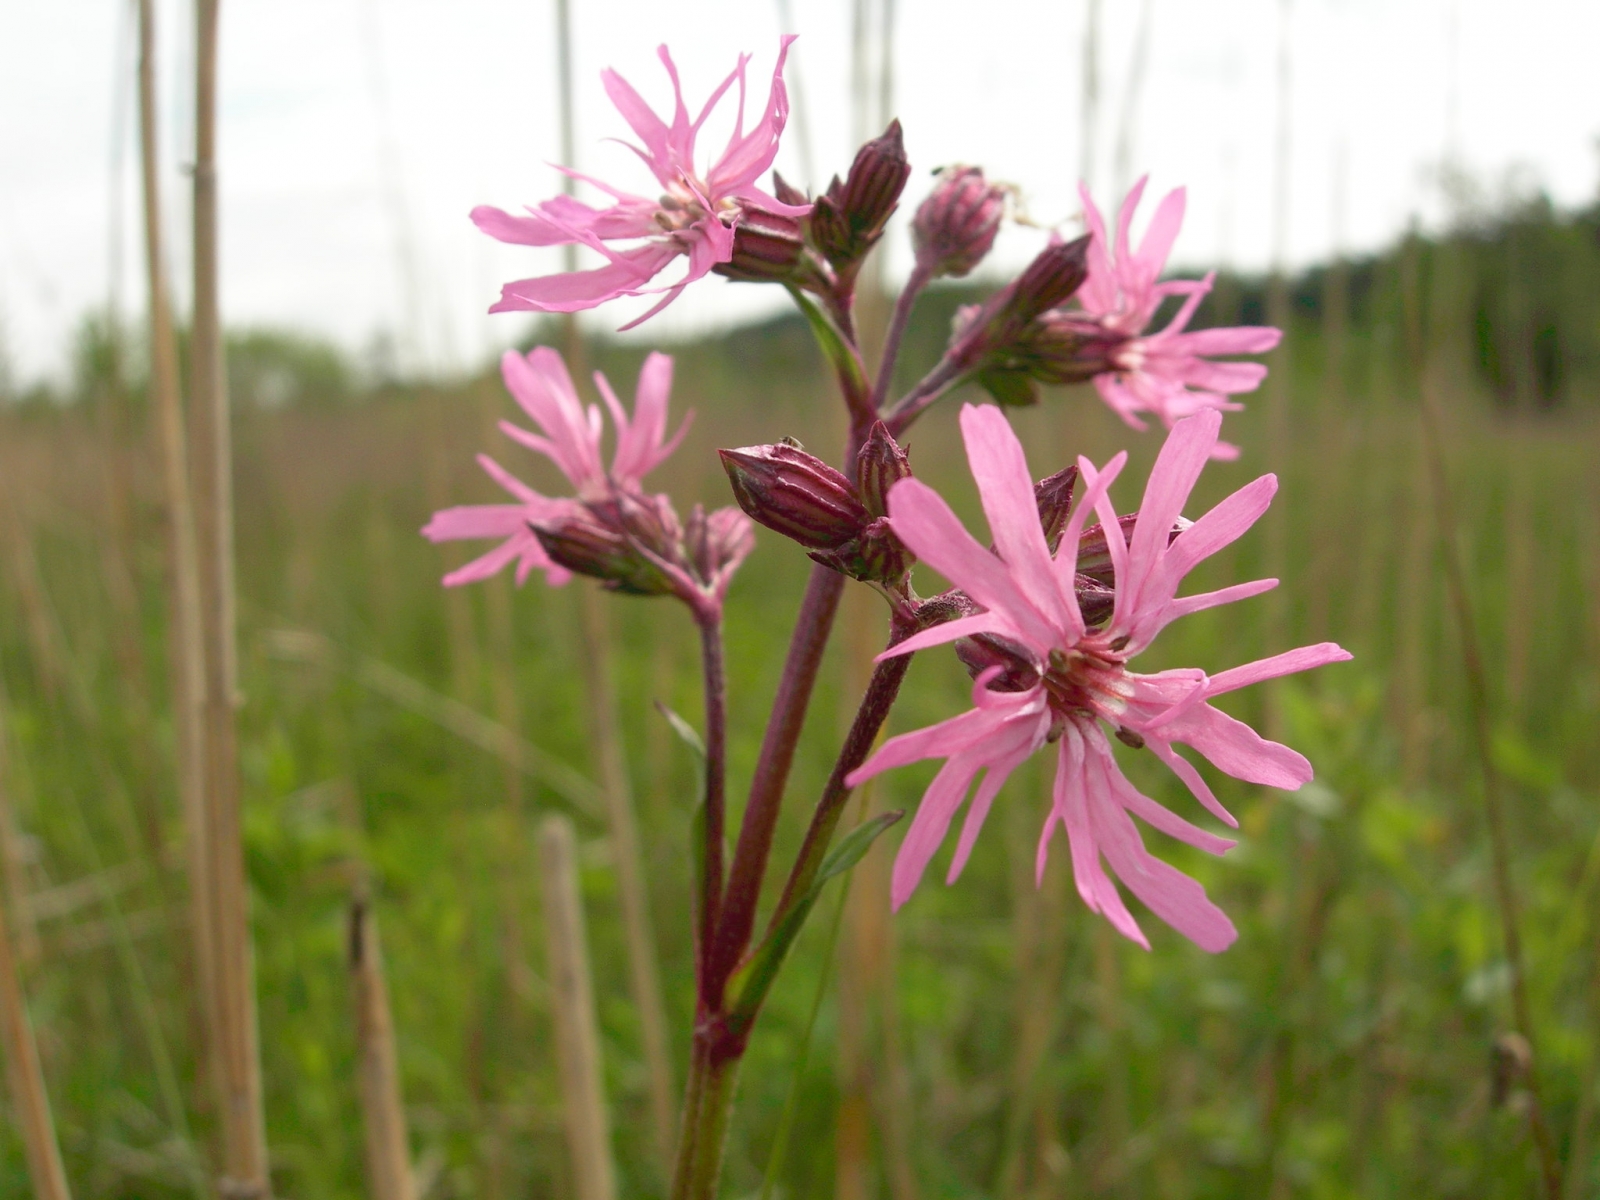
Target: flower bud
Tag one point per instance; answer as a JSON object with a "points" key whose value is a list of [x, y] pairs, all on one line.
{"points": [[1005, 344], [955, 226], [786, 193], [767, 248], [1053, 495], [717, 543], [1050, 279], [986, 651], [881, 464], [848, 219], [1095, 599], [877, 556], [795, 494], [587, 545]]}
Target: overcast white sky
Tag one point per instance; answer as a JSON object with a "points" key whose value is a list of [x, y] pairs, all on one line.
{"points": [[357, 134]]}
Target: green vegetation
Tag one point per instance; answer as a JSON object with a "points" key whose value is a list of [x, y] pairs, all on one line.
{"points": [[1005, 1040]]}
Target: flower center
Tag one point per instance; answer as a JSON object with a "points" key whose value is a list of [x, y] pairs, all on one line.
{"points": [[1087, 681], [681, 208]]}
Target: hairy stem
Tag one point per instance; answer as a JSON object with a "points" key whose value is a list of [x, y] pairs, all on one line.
{"points": [[882, 691], [944, 376], [737, 915], [716, 701], [897, 331], [708, 1105]]}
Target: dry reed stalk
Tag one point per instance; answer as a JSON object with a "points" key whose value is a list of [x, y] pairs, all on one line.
{"points": [[1411, 674], [644, 977], [30, 1103], [378, 1070], [186, 647], [238, 1078], [572, 1005], [13, 864]]}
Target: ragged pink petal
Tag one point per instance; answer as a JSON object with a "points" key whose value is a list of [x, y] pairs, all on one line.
{"points": [[923, 521], [1232, 746], [579, 290]]}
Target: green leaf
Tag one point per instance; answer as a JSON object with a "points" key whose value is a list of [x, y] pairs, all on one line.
{"points": [[1011, 389], [687, 733], [751, 982], [840, 355]]}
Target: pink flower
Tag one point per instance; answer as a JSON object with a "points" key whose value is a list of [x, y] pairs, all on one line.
{"points": [[694, 216], [1083, 682], [1170, 372], [570, 438]]}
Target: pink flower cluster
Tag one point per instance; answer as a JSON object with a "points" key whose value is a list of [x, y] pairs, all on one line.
{"points": [[570, 438], [1082, 682], [1170, 372], [694, 216]]}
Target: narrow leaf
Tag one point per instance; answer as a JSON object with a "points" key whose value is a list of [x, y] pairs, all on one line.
{"points": [[752, 981], [838, 352]]}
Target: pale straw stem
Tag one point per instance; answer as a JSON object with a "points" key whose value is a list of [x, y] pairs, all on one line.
{"points": [[572, 1005]]}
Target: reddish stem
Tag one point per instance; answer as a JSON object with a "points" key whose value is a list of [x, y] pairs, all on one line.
{"points": [[882, 691], [736, 918], [716, 702]]}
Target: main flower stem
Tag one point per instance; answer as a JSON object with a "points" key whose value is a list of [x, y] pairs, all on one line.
{"points": [[716, 702], [707, 1108], [882, 690], [737, 914]]}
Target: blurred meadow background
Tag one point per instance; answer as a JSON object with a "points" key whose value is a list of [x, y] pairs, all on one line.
{"points": [[399, 743]]}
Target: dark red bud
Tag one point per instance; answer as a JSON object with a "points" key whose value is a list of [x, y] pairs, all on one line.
{"points": [[877, 556], [786, 193], [1095, 599], [955, 226], [767, 248], [849, 218], [987, 651], [795, 494], [1053, 495], [589, 546], [881, 464], [1050, 279], [1014, 342], [716, 542]]}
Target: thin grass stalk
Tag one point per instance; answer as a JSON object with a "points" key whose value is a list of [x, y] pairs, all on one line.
{"points": [[244, 1161], [186, 648], [30, 1102], [378, 1070], [572, 1005], [1478, 707]]}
